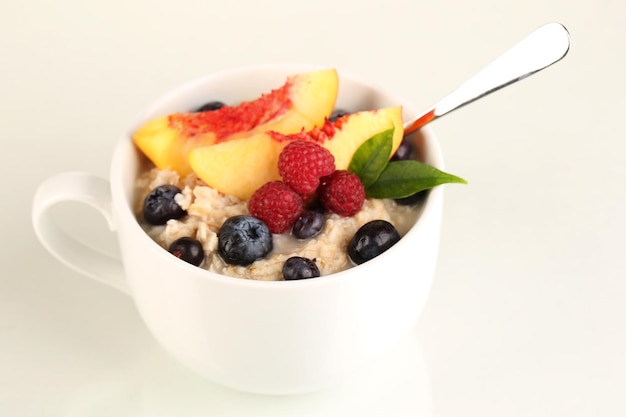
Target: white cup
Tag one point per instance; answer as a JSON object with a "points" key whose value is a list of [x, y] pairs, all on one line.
{"points": [[281, 337]]}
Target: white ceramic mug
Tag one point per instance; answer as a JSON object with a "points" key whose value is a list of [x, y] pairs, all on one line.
{"points": [[265, 337]]}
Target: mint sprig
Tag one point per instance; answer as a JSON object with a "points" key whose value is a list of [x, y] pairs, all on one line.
{"points": [[371, 158], [393, 179]]}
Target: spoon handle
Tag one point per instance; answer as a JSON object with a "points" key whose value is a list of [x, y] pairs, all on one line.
{"points": [[538, 50]]}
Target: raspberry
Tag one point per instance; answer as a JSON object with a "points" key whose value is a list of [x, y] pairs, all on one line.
{"points": [[342, 192], [277, 205], [301, 164]]}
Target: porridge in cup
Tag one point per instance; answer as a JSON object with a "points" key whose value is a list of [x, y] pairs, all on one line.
{"points": [[272, 337], [290, 164]]}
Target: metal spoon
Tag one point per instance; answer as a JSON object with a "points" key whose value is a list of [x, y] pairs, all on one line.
{"points": [[538, 50]]}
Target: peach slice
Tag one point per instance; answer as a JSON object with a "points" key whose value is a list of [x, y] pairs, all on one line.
{"points": [[304, 101], [344, 136], [240, 167], [350, 131]]}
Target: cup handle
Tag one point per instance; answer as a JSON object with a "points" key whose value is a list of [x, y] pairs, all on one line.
{"points": [[88, 189]]}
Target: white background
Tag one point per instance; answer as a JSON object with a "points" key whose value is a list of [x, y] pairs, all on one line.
{"points": [[527, 316]]}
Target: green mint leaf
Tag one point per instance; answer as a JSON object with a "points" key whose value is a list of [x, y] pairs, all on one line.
{"points": [[371, 158], [401, 179]]}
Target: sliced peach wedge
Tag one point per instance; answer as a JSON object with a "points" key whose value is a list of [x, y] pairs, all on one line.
{"points": [[350, 131], [304, 101], [239, 167]]}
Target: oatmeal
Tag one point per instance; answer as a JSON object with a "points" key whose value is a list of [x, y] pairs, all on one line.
{"points": [[207, 209]]}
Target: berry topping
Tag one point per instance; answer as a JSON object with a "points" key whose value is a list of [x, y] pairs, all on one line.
{"points": [[308, 225], [210, 106], [277, 205], [336, 114], [372, 239], [160, 205], [342, 192], [413, 199], [302, 163], [188, 249], [297, 267], [244, 239], [405, 151]]}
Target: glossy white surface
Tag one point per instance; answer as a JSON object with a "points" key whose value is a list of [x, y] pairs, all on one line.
{"points": [[526, 316]]}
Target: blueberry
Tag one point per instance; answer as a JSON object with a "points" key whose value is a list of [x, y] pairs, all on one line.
{"points": [[210, 106], [371, 240], [308, 225], [336, 114], [413, 199], [405, 151], [316, 205], [160, 206], [297, 267], [244, 239], [188, 249]]}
